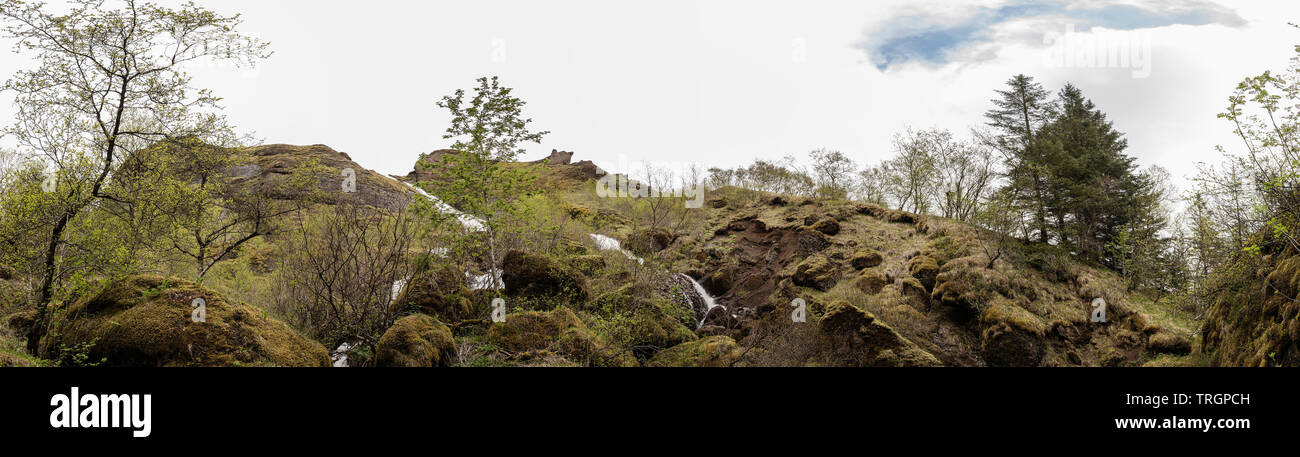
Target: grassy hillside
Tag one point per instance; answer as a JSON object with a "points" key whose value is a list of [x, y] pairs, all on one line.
{"points": [[880, 287]]}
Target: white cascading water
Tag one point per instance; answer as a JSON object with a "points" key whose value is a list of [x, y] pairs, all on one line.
{"points": [[486, 281], [606, 243], [709, 302]]}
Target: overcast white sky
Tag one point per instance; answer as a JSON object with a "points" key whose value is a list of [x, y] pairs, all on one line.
{"points": [[723, 82]]}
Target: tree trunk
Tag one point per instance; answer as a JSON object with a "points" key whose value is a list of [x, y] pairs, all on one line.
{"points": [[47, 287]]}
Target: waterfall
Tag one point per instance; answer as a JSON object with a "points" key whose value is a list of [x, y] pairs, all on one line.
{"points": [[707, 300], [471, 223], [486, 280], [340, 355], [606, 243]]}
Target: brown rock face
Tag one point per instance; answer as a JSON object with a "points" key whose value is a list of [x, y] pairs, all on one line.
{"points": [[270, 165], [558, 157]]}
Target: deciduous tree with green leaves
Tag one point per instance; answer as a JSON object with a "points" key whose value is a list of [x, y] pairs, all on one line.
{"points": [[489, 129], [107, 83]]}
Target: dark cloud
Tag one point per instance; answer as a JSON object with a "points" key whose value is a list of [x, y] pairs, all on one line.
{"points": [[917, 36]]}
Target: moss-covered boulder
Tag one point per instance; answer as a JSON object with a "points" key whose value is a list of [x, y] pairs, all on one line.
{"points": [[149, 321], [714, 351], [914, 292], [1254, 319], [849, 336], [651, 329], [416, 341], [542, 277], [21, 322], [1167, 342], [828, 226], [816, 272], [1012, 336], [720, 283], [866, 258], [649, 241], [559, 331], [871, 282], [924, 269], [441, 292], [966, 292]]}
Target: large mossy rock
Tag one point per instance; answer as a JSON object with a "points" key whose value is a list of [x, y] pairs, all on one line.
{"points": [[828, 226], [816, 272], [649, 241], [652, 328], [1167, 342], [866, 258], [441, 293], [148, 321], [849, 336], [559, 331], [416, 341], [924, 269], [1254, 318], [871, 282], [541, 277], [1012, 336], [714, 351]]}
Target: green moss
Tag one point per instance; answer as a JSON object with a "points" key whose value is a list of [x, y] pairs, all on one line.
{"points": [[924, 269], [852, 337], [866, 258], [1012, 336], [129, 327], [870, 283], [714, 351], [828, 226], [440, 293], [559, 331], [816, 272], [587, 264], [541, 277], [416, 341]]}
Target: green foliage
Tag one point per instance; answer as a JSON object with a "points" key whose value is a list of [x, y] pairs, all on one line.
{"points": [[78, 355], [489, 129], [108, 83]]}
